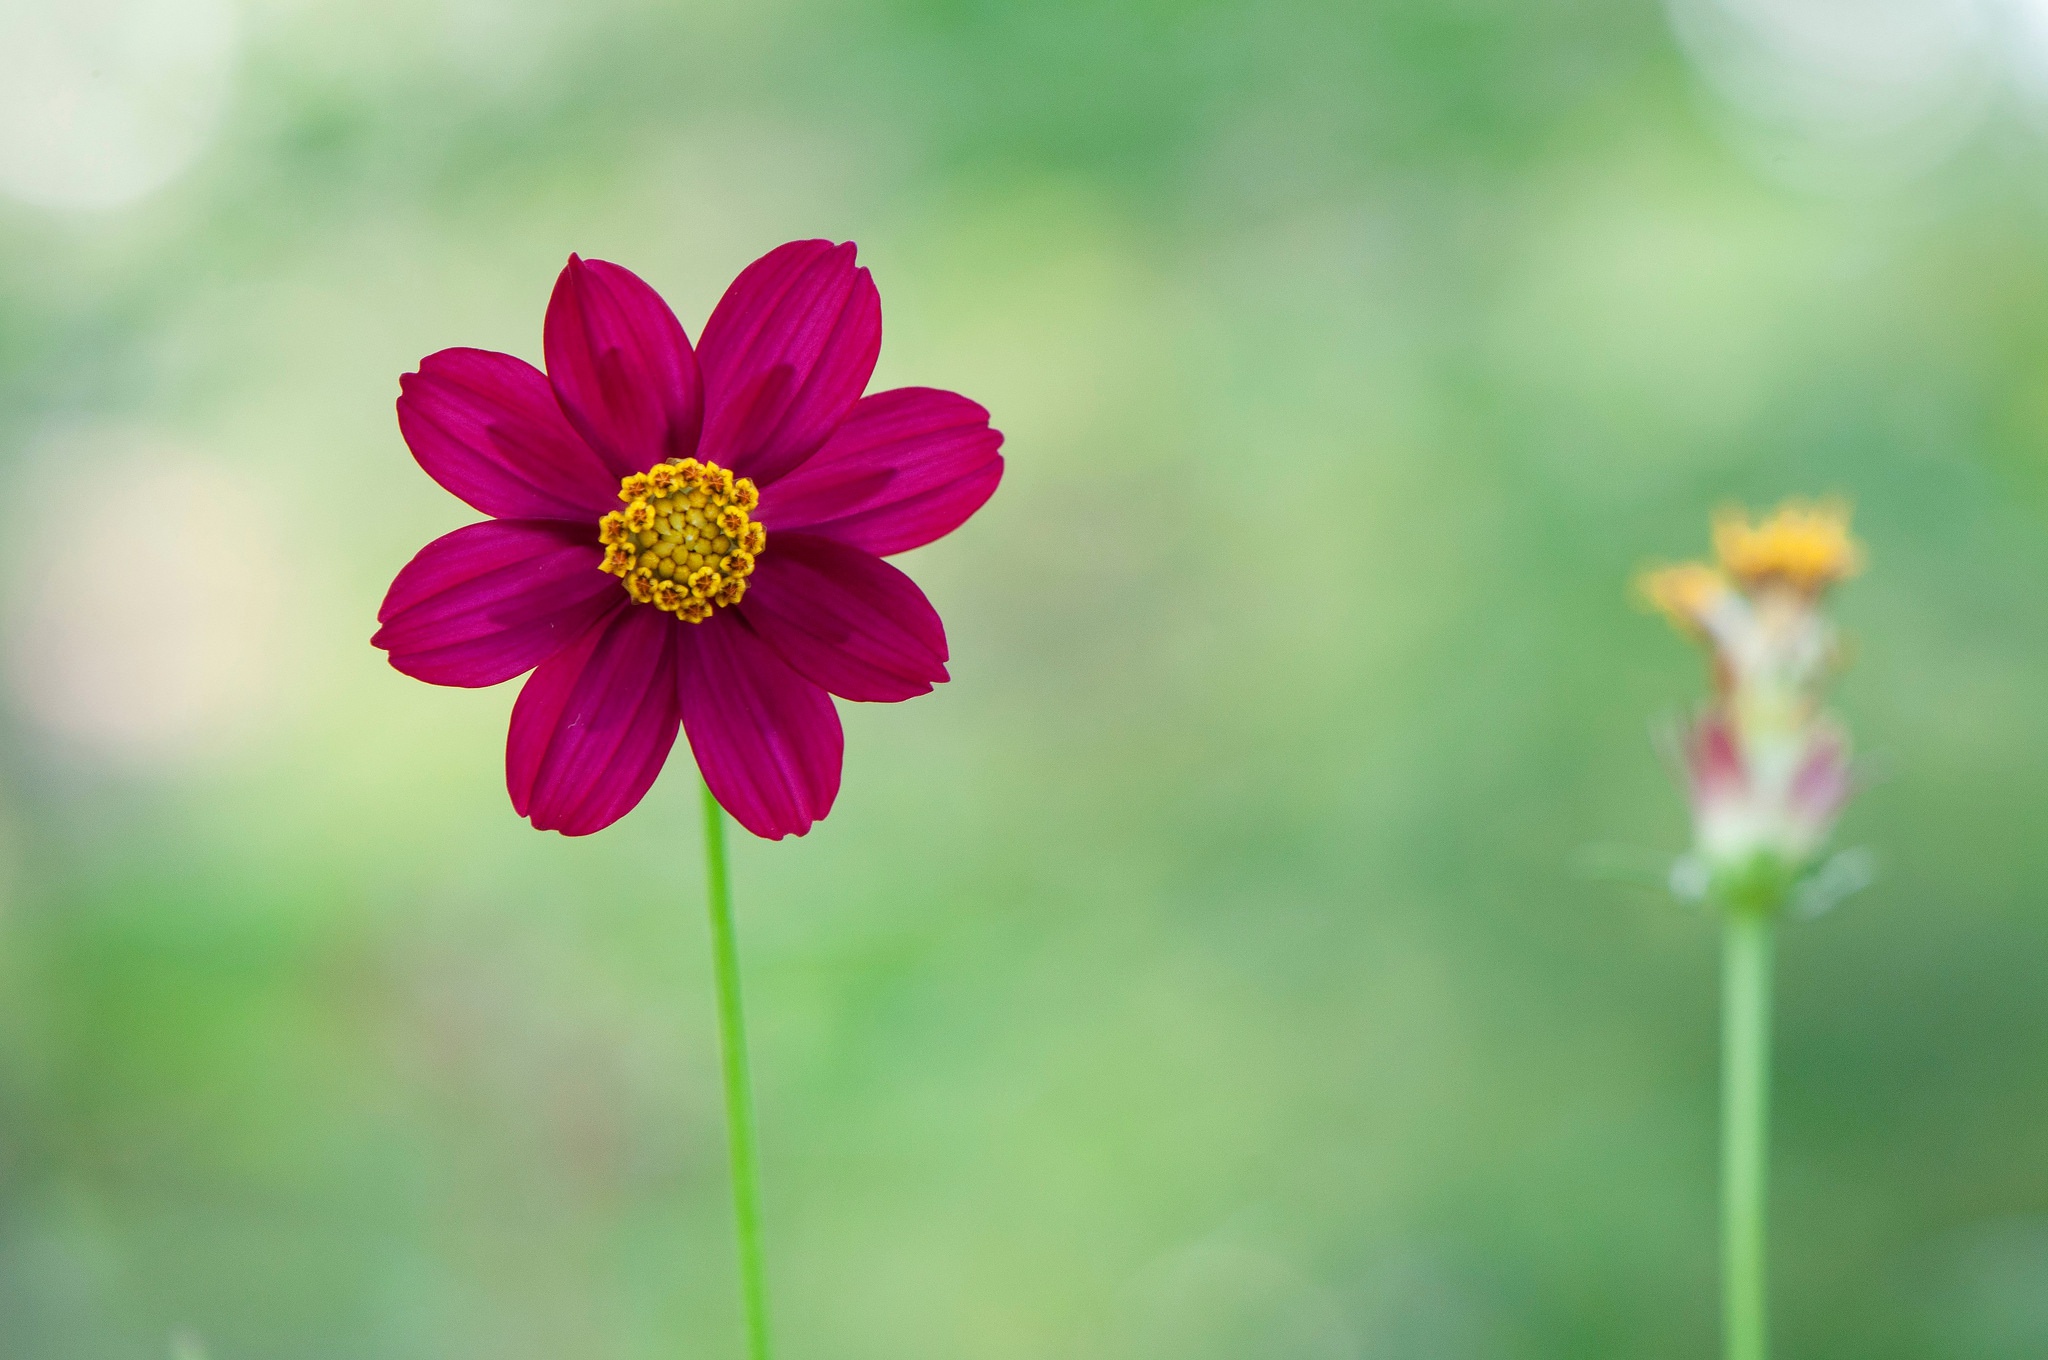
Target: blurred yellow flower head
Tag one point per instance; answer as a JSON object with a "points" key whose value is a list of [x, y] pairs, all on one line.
{"points": [[1685, 594], [1805, 546]]}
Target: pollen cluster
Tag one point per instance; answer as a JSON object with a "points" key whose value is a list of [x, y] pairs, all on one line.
{"points": [[1805, 546], [686, 542], [1683, 593]]}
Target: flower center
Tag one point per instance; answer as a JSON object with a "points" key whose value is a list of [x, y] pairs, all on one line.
{"points": [[1804, 546], [685, 542]]}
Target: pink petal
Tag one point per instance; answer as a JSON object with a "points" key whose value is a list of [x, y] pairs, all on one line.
{"points": [[482, 604], [622, 367], [906, 466], [786, 353], [767, 740], [592, 727], [1714, 760], [486, 426], [846, 620], [1823, 783]]}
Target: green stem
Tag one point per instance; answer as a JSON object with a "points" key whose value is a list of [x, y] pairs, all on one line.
{"points": [[1745, 1120], [739, 1086]]}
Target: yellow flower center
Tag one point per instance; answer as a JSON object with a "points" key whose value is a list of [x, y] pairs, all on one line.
{"points": [[1805, 546], [1684, 593], [685, 543]]}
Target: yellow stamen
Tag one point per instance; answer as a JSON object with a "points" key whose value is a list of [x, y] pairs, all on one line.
{"points": [[686, 541], [1804, 545], [1684, 593]]}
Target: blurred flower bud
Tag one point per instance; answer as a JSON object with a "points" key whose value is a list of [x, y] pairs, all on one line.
{"points": [[1767, 771]]}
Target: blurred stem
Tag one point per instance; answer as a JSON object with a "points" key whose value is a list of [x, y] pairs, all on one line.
{"points": [[739, 1086], [1745, 1120]]}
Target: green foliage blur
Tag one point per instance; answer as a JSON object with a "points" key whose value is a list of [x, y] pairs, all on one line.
{"points": [[1260, 950]]}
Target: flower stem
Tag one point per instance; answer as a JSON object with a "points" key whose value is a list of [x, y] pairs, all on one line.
{"points": [[739, 1087], [1745, 1117]]}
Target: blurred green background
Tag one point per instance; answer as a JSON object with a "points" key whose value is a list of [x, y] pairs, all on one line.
{"points": [[1258, 950]]}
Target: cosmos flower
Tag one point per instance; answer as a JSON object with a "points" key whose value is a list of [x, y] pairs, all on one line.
{"points": [[685, 537], [1767, 769]]}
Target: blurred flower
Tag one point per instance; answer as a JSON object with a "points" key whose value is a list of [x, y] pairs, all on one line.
{"points": [[1767, 770], [685, 537]]}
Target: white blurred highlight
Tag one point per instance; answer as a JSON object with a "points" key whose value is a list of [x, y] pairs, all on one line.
{"points": [[1855, 94], [104, 101], [148, 598], [2026, 38]]}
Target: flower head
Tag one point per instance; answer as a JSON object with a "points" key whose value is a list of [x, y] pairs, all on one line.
{"points": [[685, 537], [1804, 547], [1767, 770]]}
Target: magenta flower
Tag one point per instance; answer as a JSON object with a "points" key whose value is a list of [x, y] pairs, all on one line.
{"points": [[685, 537]]}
